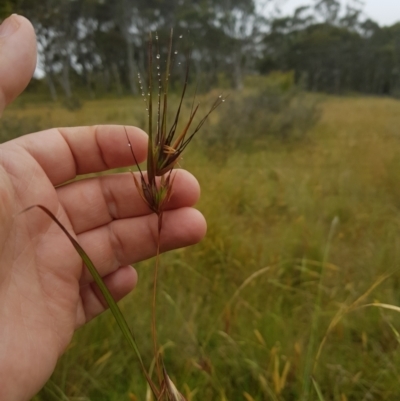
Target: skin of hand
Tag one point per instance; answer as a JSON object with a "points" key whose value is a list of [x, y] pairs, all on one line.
{"points": [[46, 293]]}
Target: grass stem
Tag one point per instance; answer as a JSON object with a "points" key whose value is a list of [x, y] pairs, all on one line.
{"points": [[154, 303], [316, 316]]}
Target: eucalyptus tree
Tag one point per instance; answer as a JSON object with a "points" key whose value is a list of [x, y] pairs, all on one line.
{"points": [[240, 25]]}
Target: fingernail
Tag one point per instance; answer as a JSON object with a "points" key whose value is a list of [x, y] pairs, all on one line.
{"points": [[9, 26]]}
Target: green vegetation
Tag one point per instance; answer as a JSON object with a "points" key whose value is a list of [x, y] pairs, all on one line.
{"points": [[96, 48], [276, 272]]}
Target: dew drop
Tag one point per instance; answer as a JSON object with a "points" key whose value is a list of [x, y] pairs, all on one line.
{"points": [[220, 96], [223, 100], [158, 56], [175, 52], [180, 36]]}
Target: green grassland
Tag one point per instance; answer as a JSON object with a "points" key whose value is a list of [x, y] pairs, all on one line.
{"points": [[302, 235]]}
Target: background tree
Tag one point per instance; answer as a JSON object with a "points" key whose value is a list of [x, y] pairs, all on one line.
{"points": [[100, 45]]}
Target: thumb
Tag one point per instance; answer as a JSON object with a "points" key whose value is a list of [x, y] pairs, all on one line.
{"points": [[17, 57]]}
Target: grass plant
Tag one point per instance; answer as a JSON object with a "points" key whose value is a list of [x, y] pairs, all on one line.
{"points": [[165, 147]]}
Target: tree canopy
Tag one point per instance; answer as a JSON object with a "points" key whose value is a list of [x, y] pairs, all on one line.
{"points": [[101, 44]]}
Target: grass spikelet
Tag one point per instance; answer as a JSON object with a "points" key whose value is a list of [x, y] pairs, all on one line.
{"points": [[165, 145]]}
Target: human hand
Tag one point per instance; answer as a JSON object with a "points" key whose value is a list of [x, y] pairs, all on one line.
{"points": [[45, 291]]}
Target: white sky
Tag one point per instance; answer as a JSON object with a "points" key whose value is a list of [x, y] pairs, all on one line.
{"points": [[385, 12]]}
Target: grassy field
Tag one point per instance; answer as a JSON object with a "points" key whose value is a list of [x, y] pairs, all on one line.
{"points": [[302, 237]]}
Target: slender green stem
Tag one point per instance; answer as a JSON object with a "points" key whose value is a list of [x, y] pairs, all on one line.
{"points": [[154, 303], [316, 316]]}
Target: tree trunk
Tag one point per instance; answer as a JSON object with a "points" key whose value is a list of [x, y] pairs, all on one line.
{"points": [[88, 74], [131, 68], [50, 84], [237, 73], [117, 78], [48, 69], [65, 81], [106, 79]]}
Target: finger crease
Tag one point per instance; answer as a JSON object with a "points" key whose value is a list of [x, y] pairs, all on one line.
{"points": [[64, 137], [109, 198], [117, 245], [101, 154]]}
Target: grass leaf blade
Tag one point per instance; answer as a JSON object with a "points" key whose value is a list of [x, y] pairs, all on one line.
{"points": [[116, 311], [318, 390]]}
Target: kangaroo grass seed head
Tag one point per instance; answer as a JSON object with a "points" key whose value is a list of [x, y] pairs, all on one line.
{"points": [[154, 194], [166, 145]]}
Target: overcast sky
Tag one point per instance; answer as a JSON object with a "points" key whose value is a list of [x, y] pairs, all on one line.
{"points": [[385, 12]]}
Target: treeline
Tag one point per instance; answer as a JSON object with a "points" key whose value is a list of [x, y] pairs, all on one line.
{"points": [[100, 45], [336, 52]]}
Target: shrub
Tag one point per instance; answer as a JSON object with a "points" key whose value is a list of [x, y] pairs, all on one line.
{"points": [[273, 112]]}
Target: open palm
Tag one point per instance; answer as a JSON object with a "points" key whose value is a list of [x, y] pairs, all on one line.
{"points": [[45, 291]]}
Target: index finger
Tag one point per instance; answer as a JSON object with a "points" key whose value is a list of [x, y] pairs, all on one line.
{"points": [[64, 153]]}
